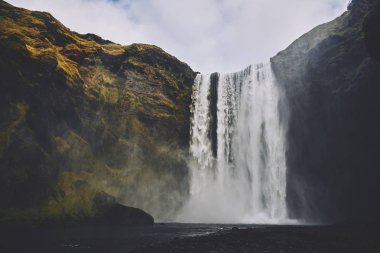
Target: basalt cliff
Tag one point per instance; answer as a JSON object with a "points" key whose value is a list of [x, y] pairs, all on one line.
{"points": [[331, 77]]}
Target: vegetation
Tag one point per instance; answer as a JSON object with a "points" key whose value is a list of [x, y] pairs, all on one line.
{"points": [[81, 115]]}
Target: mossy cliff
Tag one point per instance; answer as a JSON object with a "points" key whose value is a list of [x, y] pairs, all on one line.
{"points": [[81, 116]]}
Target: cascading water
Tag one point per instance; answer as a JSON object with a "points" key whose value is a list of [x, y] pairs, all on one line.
{"points": [[238, 167]]}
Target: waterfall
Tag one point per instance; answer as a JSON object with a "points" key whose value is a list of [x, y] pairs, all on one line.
{"points": [[237, 165]]}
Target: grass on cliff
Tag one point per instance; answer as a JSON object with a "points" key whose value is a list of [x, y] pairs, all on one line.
{"points": [[20, 110], [119, 137]]}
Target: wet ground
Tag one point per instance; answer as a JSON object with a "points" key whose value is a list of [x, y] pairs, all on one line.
{"points": [[192, 238]]}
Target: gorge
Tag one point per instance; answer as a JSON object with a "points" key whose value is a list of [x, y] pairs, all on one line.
{"points": [[85, 120]]}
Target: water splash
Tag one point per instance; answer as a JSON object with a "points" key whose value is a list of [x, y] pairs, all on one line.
{"points": [[238, 166]]}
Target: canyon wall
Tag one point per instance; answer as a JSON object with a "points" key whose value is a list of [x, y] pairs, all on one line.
{"points": [[332, 82]]}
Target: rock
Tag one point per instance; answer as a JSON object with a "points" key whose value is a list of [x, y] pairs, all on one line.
{"points": [[108, 211], [103, 202], [81, 115], [331, 82], [120, 215], [371, 29]]}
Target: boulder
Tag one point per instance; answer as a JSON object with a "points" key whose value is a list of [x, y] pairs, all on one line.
{"points": [[108, 211], [121, 215], [102, 202]]}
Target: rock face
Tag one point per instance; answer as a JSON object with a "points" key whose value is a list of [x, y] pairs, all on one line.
{"points": [[331, 79], [81, 115], [86, 123], [371, 33]]}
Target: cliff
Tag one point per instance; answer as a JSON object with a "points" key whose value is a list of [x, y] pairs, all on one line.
{"points": [[331, 78], [84, 121], [82, 117]]}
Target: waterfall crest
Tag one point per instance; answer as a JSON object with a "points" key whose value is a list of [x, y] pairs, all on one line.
{"points": [[238, 166]]}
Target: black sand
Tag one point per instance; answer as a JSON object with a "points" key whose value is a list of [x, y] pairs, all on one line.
{"points": [[345, 238]]}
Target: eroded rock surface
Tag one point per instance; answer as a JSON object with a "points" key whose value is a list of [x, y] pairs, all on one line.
{"points": [[82, 115], [332, 84]]}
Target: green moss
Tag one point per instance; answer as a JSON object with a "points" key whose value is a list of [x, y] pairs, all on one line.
{"points": [[21, 110], [78, 200], [117, 100], [165, 116], [184, 95], [132, 100], [134, 62], [31, 20], [74, 149], [108, 94], [61, 145], [100, 84], [168, 79]]}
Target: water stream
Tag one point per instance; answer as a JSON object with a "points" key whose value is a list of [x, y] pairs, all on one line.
{"points": [[238, 166]]}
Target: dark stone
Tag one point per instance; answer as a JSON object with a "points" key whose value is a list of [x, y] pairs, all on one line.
{"points": [[213, 98], [110, 212], [331, 82], [120, 215], [103, 201]]}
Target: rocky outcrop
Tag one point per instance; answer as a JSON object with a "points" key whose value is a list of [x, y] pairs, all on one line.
{"points": [[332, 87], [109, 212], [119, 215], [81, 115]]}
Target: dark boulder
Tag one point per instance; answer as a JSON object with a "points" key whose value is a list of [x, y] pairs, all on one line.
{"points": [[103, 201], [110, 212], [121, 215]]}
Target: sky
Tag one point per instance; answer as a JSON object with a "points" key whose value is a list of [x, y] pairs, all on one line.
{"points": [[209, 35]]}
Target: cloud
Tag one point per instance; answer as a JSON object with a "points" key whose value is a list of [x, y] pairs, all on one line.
{"points": [[209, 35]]}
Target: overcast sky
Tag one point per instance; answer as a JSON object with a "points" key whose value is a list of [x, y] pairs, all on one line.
{"points": [[209, 35]]}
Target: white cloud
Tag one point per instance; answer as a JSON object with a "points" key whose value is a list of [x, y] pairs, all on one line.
{"points": [[210, 35]]}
